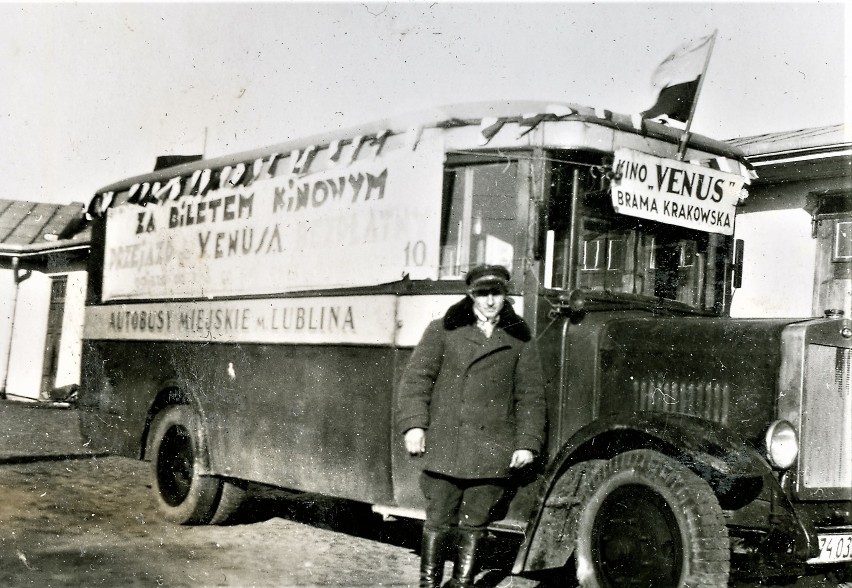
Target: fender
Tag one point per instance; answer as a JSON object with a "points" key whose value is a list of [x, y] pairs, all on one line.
{"points": [[735, 471], [178, 391]]}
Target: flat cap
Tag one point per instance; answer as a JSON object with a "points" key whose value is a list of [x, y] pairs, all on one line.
{"points": [[484, 277]]}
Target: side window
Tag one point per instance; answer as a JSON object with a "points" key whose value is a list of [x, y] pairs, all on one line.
{"points": [[842, 241], [482, 217]]}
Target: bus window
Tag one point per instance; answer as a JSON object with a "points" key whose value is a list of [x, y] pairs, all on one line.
{"points": [[481, 214]]}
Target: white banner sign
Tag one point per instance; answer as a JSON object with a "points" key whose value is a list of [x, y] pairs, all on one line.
{"points": [[367, 223], [675, 192]]}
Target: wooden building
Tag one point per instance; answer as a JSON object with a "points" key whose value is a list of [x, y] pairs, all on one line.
{"points": [[43, 252]]}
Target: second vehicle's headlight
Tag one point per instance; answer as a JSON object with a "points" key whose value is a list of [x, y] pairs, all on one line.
{"points": [[782, 444]]}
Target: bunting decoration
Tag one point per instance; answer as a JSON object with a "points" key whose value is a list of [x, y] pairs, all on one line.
{"points": [[335, 150], [489, 127], [204, 181], [238, 175], [357, 143], [307, 158], [636, 121], [190, 187], [413, 136], [379, 141]]}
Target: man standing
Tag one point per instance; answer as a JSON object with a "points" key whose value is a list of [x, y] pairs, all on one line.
{"points": [[471, 402]]}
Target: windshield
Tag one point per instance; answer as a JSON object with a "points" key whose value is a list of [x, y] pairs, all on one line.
{"points": [[626, 255]]}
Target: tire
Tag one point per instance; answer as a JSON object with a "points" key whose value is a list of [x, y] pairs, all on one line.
{"points": [[650, 522], [231, 497], [184, 496]]}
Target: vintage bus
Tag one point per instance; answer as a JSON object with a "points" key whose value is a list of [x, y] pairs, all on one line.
{"points": [[248, 318]]}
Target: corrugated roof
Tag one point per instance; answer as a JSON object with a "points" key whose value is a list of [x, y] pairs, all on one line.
{"points": [[34, 223], [817, 138]]}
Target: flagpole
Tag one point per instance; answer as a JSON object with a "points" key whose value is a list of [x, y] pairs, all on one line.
{"points": [[684, 138]]}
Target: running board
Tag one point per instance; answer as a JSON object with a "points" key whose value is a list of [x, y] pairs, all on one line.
{"points": [[391, 513]]}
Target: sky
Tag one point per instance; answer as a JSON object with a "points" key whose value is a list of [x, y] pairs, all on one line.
{"points": [[93, 92]]}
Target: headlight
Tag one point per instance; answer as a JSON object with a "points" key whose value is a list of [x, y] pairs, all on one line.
{"points": [[782, 445]]}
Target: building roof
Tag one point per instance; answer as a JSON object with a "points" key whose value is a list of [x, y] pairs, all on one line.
{"points": [[28, 227], [823, 139], [819, 153]]}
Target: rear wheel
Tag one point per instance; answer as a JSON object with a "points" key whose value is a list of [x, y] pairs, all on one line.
{"points": [[650, 522], [183, 494]]}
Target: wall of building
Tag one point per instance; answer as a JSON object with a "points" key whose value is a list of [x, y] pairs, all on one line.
{"points": [[7, 294], [22, 338], [30, 326], [782, 265], [779, 264], [71, 343]]}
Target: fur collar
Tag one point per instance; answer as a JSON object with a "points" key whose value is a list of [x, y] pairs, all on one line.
{"points": [[461, 314]]}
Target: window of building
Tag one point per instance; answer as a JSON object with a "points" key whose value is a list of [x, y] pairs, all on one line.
{"points": [[842, 241]]}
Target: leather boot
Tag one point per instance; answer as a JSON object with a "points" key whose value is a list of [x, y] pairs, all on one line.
{"points": [[467, 561], [432, 557]]}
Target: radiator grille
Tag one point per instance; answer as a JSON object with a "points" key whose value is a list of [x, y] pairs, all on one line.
{"points": [[708, 400], [826, 443]]}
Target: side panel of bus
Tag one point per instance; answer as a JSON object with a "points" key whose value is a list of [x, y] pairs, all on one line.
{"points": [[312, 418], [304, 417]]}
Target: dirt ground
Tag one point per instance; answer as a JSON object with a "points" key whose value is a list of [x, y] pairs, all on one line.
{"points": [[72, 518], [93, 522], [69, 517]]}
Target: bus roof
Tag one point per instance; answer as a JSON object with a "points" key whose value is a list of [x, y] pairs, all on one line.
{"points": [[457, 115]]}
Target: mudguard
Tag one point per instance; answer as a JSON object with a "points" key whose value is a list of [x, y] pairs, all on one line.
{"points": [[177, 391], [735, 471]]}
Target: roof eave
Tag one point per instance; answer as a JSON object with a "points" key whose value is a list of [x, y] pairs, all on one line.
{"points": [[38, 249]]}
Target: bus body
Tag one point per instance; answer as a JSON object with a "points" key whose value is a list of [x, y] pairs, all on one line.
{"points": [[248, 319]]}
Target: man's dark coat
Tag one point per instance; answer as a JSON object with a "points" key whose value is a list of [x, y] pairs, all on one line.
{"points": [[478, 398]]}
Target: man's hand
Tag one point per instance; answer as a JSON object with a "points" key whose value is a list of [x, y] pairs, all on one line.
{"points": [[522, 458], [415, 441]]}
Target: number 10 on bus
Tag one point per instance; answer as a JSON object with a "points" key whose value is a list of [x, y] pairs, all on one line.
{"points": [[415, 253]]}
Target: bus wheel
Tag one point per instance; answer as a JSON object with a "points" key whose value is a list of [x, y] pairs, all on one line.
{"points": [[232, 496], [649, 521], [183, 495]]}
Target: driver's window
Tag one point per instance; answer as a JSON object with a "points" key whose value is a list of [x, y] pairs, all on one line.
{"points": [[481, 217]]}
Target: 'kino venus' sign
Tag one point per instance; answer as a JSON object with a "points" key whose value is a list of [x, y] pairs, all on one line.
{"points": [[675, 192]]}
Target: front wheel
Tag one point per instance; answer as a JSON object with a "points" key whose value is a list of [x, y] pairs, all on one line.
{"points": [[184, 496], [650, 522]]}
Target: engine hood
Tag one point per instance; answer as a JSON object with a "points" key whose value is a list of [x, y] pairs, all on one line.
{"points": [[720, 369]]}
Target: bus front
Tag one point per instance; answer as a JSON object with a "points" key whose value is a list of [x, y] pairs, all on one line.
{"points": [[679, 438]]}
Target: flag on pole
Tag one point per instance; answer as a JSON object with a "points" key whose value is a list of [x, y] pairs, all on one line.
{"points": [[678, 78]]}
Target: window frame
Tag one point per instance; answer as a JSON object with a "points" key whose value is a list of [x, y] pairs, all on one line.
{"points": [[836, 257]]}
